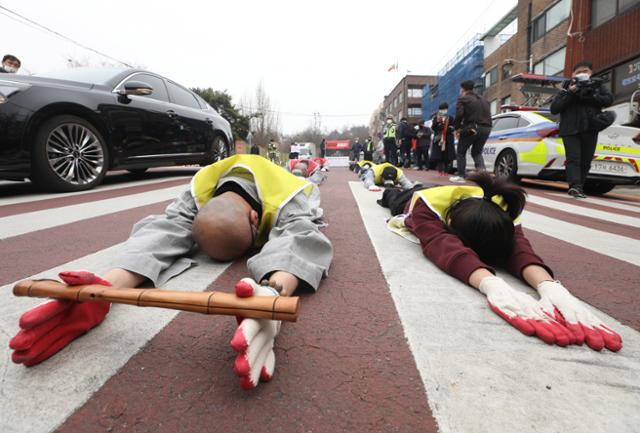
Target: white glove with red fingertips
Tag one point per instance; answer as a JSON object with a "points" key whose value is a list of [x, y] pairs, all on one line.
{"points": [[557, 302], [254, 340], [523, 312]]}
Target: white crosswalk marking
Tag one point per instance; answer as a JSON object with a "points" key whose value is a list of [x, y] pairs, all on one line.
{"points": [[480, 374], [580, 210], [616, 204], [16, 225]]}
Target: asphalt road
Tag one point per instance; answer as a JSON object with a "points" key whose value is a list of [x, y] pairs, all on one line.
{"points": [[387, 344]]}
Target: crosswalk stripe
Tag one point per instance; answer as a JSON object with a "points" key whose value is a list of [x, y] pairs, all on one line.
{"points": [[36, 197], [609, 203], [40, 398], [584, 211], [16, 225], [482, 375]]}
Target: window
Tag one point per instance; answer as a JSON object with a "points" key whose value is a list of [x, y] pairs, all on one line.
{"points": [[414, 92], [502, 123], [490, 78], [523, 123], [550, 19], [493, 106], [506, 100], [415, 112], [182, 97], [159, 89], [603, 10], [506, 71], [553, 64], [400, 97]]}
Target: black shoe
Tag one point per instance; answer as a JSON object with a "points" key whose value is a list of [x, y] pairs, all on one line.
{"points": [[576, 193]]}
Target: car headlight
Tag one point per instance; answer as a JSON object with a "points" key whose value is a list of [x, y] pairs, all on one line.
{"points": [[8, 88]]}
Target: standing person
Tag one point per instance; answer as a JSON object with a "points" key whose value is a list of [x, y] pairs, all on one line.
{"points": [[368, 149], [423, 141], [473, 126], [295, 150], [443, 151], [405, 134], [579, 105], [389, 141], [255, 150], [323, 145], [356, 148], [10, 64], [272, 150]]}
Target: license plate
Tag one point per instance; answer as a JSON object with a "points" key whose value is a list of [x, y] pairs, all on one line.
{"points": [[611, 167]]}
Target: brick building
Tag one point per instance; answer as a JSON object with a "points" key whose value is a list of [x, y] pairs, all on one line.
{"points": [[405, 100], [538, 46], [607, 33]]}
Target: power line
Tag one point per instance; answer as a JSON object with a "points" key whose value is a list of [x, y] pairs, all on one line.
{"points": [[58, 34], [314, 115]]}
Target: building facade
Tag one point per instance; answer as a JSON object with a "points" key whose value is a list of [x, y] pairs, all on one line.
{"points": [[405, 100], [607, 33], [538, 46]]}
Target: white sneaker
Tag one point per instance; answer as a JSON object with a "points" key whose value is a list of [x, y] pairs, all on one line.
{"points": [[457, 179]]}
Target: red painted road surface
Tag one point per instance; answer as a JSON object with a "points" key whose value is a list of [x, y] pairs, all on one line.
{"points": [[345, 366]]}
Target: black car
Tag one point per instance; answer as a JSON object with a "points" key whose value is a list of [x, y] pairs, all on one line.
{"points": [[66, 130]]}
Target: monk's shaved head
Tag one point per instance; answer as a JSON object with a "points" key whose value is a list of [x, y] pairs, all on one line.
{"points": [[222, 228]]}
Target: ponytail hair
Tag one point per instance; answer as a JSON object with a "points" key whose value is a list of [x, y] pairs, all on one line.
{"points": [[483, 225]]}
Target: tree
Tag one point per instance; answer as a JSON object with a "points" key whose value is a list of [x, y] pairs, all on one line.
{"points": [[265, 120], [222, 103]]}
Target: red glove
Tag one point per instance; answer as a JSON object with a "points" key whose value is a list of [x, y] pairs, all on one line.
{"points": [[49, 327]]}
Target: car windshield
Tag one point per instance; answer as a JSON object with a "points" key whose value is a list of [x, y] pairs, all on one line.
{"points": [[84, 75]]}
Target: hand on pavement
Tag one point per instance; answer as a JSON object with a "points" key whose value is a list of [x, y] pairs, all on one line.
{"points": [[49, 327], [557, 302], [374, 188], [523, 312], [254, 340]]}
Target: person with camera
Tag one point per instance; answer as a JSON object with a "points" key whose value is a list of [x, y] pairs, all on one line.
{"points": [[473, 126], [580, 105]]}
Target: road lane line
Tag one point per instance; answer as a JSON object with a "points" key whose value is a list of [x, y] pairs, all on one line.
{"points": [[616, 204], [40, 398], [585, 211], [15, 225], [101, 188], [481, 374]]}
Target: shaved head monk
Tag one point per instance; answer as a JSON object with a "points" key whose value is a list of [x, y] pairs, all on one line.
{"points": [[239, 205]]}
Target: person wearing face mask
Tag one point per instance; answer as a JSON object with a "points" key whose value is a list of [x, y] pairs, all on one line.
{"points": [[580, 105], [10, 64], [405, 133], [389, 141], [443, 151], [423, 140]]}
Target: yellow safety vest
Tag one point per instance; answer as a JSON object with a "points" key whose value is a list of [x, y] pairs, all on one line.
{"points": [[275, 185], [363, 162], [377, 172], [439, 198], [390, 131]]}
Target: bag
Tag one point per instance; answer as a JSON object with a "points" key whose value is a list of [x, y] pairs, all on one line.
{"points": [[602, 120], [397, 199]]}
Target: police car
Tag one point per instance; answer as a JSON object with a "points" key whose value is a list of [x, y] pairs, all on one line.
{"points": [[525, 143]]}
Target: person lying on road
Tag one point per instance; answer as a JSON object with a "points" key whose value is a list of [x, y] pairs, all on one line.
{"points": [[466, 230], [233, 206], [308, 169], [376, 175]]}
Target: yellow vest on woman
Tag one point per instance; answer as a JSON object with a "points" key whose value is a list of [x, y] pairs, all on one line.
{"points": [[377, 172], [276, 186], [439, 198]]}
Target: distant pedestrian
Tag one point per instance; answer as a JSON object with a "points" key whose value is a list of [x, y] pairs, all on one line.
{"points": [[295, 150], [579, 104], [389, 141], [255, 150], [356, 148], [10, 64], [323, 145], [369, 147], [405, 133], [272, 150], [473, 126], [443, 150], [423, 141]]}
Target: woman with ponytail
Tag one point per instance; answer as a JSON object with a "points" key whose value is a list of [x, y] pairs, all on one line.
{"points": [[467, 230]]}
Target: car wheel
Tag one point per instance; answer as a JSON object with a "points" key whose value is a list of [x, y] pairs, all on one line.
{"points": [[217, 152], [506, 166], [138, 171], [69, 154], [596, 188]]}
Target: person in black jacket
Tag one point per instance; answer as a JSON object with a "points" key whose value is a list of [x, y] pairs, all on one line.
{"points": [[578, 104], [443, 150], [473, 126], [405, 134], [423, 141]]}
